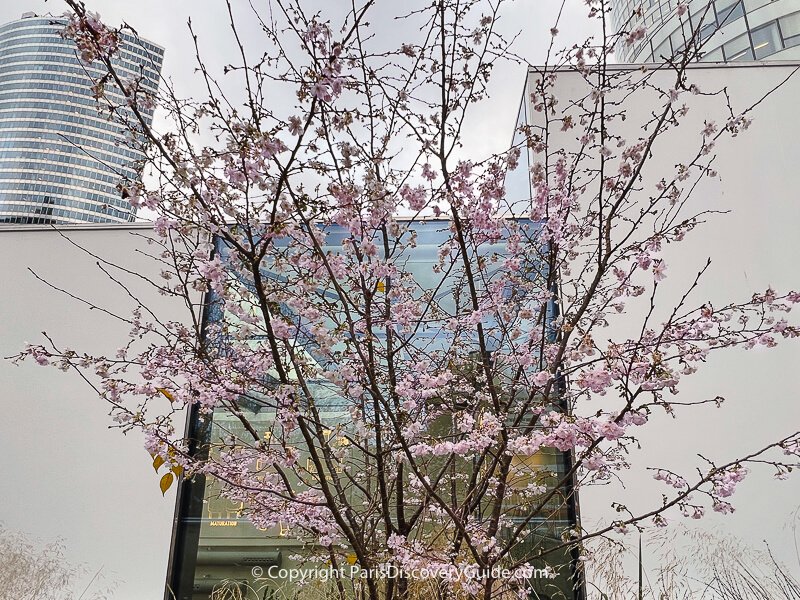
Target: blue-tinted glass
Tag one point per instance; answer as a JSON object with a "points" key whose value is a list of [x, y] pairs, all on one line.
{"points": [[214, 534], [55, 148], [728, 11]]}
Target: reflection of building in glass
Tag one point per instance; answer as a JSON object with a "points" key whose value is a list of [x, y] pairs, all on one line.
{"points": [[61, 159], [729, 30], [216, 547]]}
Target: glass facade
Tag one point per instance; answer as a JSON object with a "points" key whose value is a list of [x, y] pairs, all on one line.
{"points": [[729, 30], [61, 158], [218, 552]]}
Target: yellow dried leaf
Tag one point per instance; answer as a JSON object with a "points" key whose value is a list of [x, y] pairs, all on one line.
{"points": [[157, 462], [166, 482]]}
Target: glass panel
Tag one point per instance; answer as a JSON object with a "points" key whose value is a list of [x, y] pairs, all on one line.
{"points": [[728, 11], [218, 548], [766, 40], [706, 31], [644, 51], [702, 18], [663, 51], [738, 49], [751, 5], [790, 28], [791, 42], [518, 181], [678, 42]]}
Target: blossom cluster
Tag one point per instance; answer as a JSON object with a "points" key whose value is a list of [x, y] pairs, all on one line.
{"points": [[92, 37]]}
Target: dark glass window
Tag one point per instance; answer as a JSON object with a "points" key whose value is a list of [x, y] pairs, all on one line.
{"points": [[706, 31], [766, 40], [790, 29], [728, 11], [738, 49], [678, 41], [217, 546], [663, 51]]}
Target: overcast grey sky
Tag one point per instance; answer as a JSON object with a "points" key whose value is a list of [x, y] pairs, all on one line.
{"points": [[164, 22]]}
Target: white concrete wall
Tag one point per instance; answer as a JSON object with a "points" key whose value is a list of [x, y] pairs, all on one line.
{"points": [[65, 474], [755, 246]]}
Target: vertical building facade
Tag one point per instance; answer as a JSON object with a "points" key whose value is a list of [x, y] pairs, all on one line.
{"points": [[61, 157], [217, 552], [754, 196], [729, 30]]}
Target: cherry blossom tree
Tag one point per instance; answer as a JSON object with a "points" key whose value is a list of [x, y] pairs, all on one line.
{"points": [[300, 219]]}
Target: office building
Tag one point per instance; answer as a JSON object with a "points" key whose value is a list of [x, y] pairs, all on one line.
{"points": [[62, 159], [216, 546], [728, 30]]}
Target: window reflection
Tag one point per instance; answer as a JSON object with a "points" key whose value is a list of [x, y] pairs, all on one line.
{"points": [[766, 40], [738, 49], [728, 11], [218, 546]]}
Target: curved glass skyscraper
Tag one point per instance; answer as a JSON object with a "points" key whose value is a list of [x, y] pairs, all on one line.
{"points": [[61, 159], [730, 30]]}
